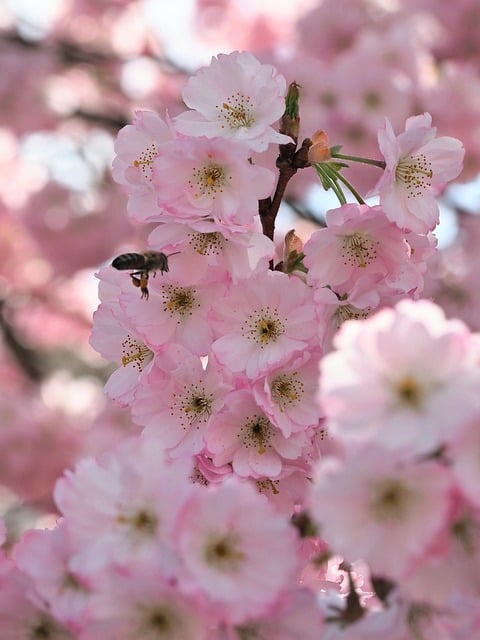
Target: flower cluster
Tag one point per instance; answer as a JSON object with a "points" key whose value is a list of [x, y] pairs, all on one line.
{"points": [[401, 394], [192, 530]]}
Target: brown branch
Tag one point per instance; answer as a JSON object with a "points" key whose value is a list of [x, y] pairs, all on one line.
{"points": [[288, 162]]}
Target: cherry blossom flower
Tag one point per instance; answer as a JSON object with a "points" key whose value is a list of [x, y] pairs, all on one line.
{"points": [[175, 312], [358, 240], [243, 435], [234, 253], [235, 97], [118, 342], [405, 377], [417, 164], [142, 604], [370, 507], [136, 147], [178, 399], [296, 615], [116, 507], [201, 178], [236, 549], [451, 573], [262, 322], [349, 301], [43, 555], [289, 490], [288, 393], [115, 337], [22, 614]]}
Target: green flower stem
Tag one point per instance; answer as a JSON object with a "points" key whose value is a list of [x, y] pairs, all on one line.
{"points": [[381, 164], [329, 181], [352, 189]]}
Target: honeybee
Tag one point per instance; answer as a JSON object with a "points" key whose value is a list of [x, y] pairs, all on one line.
{"points": [[141, 265]]}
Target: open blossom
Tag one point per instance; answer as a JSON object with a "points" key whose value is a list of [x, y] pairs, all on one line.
{"points": [[117, 341], [296, 615], [358, 240], [262, 322], [405, 377], [289, 490], [136, 147], [114, 337], [235, 253], [22, 614], [43, 555], [348, 301], [175, 312], [417, 164], [202, 178], [177, 400], [243, 435], [235, 97], [143, 605], [237, 550], [288, 394], [371, 507], [121, 506], [453, 572]]}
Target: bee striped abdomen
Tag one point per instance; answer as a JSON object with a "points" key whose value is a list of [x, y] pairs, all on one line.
{"points": [[129, 261]]}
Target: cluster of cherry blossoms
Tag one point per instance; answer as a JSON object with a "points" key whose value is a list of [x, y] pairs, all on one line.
{"points": [[308, 463]]}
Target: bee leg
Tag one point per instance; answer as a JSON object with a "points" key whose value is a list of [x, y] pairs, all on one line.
{"points": [[135, 281], [141, 282], [144, 285]]}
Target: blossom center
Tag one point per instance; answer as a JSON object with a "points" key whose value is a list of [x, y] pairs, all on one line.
{"points": [[286, 389], [250, 631], [349, 312], [162, 619], [465, 532], [264, 327], [359, 250], [206, 243], [257, 432], [136, 353], [267, 485], [419, 617], [145, 161], [415, 173], [391, 501], [195, 405], [236, 112], [143, 522], [410, 392], [373, 99], [45, 629], [179, 300], [71, 582], [208, 180], [222, 552]]}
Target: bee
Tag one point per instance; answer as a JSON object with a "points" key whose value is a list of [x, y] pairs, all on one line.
{"points": [[141, 265]]}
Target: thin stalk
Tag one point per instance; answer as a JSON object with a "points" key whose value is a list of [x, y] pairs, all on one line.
{"points": [[351, 188], [331, 182], [381, 164]]}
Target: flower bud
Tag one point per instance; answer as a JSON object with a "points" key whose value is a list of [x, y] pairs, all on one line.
{"points": [[290, 123], [320, 149]]}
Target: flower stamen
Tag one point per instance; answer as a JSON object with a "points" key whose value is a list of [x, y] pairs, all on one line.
{"points": [[145, 161], [136, 353], [416, 173], [286, 389], [359, 250], [236, 112]]}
